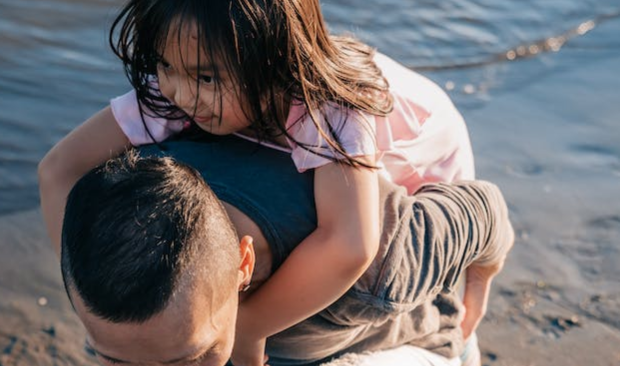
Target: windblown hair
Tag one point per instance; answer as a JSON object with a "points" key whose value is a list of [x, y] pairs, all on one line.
{"points": [[275, 50], [135, 228]]}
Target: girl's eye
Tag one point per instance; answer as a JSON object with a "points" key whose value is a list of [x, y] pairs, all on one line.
{"points": [[163, 65], [205, 79]]}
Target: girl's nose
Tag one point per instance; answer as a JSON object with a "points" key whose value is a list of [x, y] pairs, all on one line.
{"points": [[184, 97]]}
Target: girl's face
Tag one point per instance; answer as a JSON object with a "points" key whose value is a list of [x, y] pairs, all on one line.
{"points": [[213, 104]]}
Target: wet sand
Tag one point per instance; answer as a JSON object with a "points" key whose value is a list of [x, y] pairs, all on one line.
{"points": [[37, 324]]}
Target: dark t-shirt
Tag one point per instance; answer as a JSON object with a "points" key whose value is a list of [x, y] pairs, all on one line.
{"points": [[407, 295]]}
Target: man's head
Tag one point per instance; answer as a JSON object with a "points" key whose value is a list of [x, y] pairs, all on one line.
{"points": [[152, 263]]}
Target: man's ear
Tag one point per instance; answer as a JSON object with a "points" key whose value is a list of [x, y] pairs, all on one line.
{"points": [[248, 260]]}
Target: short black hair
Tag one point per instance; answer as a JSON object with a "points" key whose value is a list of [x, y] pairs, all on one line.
{"points": [[134, 227]]}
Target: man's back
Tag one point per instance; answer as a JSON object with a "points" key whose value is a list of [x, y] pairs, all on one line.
{"points": [[407, 296]]}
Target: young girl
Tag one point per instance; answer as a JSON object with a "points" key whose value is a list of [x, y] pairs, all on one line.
{"points": [[268, 71]]}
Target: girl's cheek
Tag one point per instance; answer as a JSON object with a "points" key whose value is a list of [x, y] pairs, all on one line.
{"points": [[165, 86], [209, 99]]}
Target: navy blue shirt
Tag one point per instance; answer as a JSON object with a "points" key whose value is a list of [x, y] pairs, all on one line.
{"points": [[261, 182]]}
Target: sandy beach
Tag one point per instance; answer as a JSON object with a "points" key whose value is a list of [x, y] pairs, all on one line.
{"points": [[552, 144]]}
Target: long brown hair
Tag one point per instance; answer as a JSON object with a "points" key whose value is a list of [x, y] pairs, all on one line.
{"points": [[276, 51]]}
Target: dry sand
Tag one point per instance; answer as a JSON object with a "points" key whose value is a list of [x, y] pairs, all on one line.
{"points": [[557, 301]]}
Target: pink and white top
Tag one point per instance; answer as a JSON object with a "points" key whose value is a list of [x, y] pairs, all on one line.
{"points": [[424, 139]]}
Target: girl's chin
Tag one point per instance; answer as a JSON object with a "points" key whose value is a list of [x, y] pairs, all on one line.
{"points": [[214, 130], [210, 125]]}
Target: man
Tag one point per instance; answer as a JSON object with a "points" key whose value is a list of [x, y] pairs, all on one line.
{"points": [[154, 267]]}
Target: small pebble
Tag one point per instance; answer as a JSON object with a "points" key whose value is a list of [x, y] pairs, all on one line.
{"points": [[492, 356], [530, 303], [523, 235], [566, 323], [42, 301]]}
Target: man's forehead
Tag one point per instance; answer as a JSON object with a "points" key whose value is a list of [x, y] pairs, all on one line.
{"points": [[183, 330], [152, 341], [184, 354]]}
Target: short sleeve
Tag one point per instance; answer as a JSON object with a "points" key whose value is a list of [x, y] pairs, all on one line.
{"points": [[355, 131], [127, 114]]}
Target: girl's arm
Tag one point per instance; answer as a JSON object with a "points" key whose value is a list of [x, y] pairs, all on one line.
{"points": [[92, 143], [327, 263]]}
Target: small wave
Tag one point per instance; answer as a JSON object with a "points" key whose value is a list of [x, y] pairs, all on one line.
{"points": [[529, 50]]}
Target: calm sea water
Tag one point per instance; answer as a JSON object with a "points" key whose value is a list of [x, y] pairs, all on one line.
{"points": [[56, 69]]}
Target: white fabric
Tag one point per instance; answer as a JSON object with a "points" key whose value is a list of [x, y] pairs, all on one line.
{"points": [[401, 356]]}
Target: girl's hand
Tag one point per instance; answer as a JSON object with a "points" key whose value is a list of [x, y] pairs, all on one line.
{"points": [[249, 349], [247, 352]]}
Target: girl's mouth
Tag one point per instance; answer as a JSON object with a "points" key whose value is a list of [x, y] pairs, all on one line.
{"points": [[203, 120]]}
